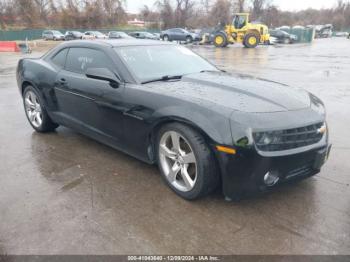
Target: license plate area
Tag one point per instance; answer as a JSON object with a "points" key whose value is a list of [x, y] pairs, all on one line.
{"points": [[301, 165]]}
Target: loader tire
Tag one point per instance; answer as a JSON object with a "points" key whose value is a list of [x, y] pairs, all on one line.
{"points": [[220, 39], [251, 40]]}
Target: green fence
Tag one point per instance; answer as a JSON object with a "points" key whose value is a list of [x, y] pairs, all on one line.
{"points": [[305, 35], [34, 34]]}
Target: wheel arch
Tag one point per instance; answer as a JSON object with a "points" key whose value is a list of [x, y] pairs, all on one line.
{"points": [[152, 135], [255, 32], [26, 83], [175, 119]]}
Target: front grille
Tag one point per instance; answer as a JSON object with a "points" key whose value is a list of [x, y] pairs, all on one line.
{"points": [[289, 138]]}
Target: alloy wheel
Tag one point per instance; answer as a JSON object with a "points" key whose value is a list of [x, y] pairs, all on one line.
{"points": [[33, 109], [177, 161]]}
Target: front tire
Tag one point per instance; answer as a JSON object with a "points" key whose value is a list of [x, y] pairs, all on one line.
{"points": [[189, 39], [251, 40], [220, 40], [287, 41], [36, 112], [185, 161]]}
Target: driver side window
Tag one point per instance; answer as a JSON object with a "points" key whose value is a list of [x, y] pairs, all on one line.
{"points": [[80, 59], [239, 22]]}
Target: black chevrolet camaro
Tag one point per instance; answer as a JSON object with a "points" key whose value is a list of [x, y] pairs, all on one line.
{"points": [[163, 104]]}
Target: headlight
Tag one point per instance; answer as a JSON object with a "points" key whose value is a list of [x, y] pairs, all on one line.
{"points": [[267, 138]]}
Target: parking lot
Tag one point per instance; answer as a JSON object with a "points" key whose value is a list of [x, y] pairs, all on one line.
{"points": [[63, 193]]}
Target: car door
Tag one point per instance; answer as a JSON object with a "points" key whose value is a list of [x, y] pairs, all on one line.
{"points": [[182, 35], [177, 35], [87, 103], [49, 35], [87, 35], [280, 35], [69, 36]]}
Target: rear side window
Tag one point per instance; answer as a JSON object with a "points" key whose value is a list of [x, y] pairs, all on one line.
{"points": [[60, 58], [80, 59]]}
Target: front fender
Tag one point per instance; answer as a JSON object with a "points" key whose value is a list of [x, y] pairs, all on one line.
{"points": [[214, 125]]}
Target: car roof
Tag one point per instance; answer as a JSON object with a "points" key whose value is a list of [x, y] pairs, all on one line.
{"points": [[114, 43]]}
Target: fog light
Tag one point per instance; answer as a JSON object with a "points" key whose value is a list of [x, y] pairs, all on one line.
{"points": [[271, 178]]}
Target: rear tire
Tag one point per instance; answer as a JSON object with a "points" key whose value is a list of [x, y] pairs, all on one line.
{"points": [[36, 112], [251, 40], [187, 165]]}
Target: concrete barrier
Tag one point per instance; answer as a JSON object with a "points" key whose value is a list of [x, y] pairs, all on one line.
{"points": [[6, 46]]}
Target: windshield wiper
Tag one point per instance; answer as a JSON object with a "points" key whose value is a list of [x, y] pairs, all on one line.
{"points": [[163, 78], [206, 71]]}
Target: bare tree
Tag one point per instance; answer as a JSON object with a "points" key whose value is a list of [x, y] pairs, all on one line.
{"points": [[43, 9], [258, 8], [114, 10], [207, 5], [27, 12], [221, 12], [239, 5], [166, 13], [3, 14], [183, 11]]}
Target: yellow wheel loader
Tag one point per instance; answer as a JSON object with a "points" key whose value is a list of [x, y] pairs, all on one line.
{"points": [[242, 31]]}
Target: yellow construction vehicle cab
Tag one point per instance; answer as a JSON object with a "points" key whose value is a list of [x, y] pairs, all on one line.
{"points": [[242, 31]]}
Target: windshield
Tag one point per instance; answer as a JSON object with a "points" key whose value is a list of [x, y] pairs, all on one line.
{"points": [[56, 32], [97, 33], [156, 61]]}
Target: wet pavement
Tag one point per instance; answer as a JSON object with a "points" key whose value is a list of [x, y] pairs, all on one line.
{"points": [[63, 193]]}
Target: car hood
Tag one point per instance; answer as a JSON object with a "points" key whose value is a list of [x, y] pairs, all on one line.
{"points": [[238, 92]]}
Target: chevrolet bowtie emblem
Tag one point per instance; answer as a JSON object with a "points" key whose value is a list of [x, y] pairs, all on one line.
{"points": [[322, 129]]}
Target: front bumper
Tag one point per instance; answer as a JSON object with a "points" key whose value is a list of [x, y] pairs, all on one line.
{"points": [[243, 174]]}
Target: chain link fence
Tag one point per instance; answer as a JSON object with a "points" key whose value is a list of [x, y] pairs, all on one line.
{"points": [[33, 34]]}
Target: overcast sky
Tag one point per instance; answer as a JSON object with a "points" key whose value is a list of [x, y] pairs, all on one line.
{"points": [[134, 6]]}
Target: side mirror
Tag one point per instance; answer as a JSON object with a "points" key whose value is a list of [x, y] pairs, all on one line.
{"points": [[103, 74]]}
